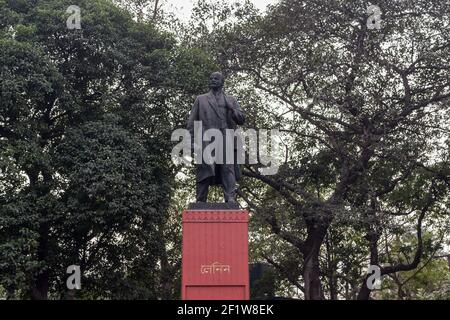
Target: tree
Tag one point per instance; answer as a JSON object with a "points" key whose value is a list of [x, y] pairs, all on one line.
{"points": [[85, 123], [364, 112]]}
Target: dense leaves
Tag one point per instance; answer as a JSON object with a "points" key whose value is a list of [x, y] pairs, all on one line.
{"points": [[365, 117], [85, 122]]}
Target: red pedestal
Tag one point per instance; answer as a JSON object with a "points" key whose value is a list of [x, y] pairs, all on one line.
{"points": [[215, 255]]}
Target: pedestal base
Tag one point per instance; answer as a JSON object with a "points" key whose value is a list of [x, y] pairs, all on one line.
{"points": [[215, 255]]}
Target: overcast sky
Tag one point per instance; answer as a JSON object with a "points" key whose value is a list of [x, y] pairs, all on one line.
{"points": [[183, 7]]}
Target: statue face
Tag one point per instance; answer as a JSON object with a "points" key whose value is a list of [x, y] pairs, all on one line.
{"points": [[216, 80]]}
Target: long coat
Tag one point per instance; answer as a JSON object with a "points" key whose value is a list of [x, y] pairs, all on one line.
{"points": [[207, 111]]}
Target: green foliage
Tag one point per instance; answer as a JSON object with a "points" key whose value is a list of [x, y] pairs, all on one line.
{"points": [[365, 140], [85, 123]]}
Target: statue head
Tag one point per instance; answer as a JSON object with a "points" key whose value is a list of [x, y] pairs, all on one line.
{"points": [[216, 80]]}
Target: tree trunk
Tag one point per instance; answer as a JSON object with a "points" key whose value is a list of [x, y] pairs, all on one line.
{"points": [[166, 279], [40, 289], [364, 292], [311, 269], [311, 275]]}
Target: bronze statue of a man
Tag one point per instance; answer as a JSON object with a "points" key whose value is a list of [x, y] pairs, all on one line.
{"points": [[216, 110]]}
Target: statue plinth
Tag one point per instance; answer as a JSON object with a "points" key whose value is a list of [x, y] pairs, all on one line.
{"points": [[213, 206], [215, 253]]}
